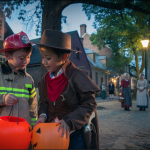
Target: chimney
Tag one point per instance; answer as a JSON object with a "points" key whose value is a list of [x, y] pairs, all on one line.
{"points": [[82, 29]]}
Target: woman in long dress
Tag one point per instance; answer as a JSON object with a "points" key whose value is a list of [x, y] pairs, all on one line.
{"points": [[126, 92], [141, 95], [103, 92]]}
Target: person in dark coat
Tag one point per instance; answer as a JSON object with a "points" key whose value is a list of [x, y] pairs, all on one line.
{"points": [[111, 90], [67, 94]]}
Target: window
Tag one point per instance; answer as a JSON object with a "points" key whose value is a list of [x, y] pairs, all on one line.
{"points": [[96, 74], [93, 57], [77, 54], [2, 59]]}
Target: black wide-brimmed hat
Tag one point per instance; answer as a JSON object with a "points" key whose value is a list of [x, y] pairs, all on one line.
{"points": [[56, 39]]}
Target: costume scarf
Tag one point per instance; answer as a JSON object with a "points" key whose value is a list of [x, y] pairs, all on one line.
{"points": [[55, 86]]}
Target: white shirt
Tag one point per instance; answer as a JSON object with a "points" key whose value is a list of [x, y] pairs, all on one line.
{"points": [[58, 73]]}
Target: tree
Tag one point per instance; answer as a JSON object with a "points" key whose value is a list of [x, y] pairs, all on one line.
{"points": [[49, 12], [123, 30]]}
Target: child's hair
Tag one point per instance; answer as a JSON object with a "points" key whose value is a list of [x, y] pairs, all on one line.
{"points": [[59, 52], [25, 49]]}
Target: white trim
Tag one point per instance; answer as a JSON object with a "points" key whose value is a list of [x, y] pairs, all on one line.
{"points": [[85, 34]]}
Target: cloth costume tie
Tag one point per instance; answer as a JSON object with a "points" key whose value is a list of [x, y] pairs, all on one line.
{"points": [[55, 86]]}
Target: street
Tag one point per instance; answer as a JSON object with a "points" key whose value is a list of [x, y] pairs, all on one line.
{"points": [[120, 129]]}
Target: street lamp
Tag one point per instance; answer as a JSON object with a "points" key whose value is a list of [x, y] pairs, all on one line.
{"points": [[145, 44]]}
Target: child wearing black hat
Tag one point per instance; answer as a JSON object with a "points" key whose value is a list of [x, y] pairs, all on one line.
{"points": [[67, 94]]}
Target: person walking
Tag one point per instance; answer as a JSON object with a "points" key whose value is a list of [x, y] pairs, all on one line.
{"points": [[111, 90], [103, 92], [126, 92], [141, 95]]}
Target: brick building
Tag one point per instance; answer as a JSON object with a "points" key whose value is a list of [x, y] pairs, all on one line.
{"points": [[99, 73], [5, 31], [105, 51], [103, 56]]}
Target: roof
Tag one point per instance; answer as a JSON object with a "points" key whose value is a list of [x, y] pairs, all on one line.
{"points": [[85, 34], [89, 51], [101, 57], [97, 62], [8, 30], [72, 33], [36, 57]]}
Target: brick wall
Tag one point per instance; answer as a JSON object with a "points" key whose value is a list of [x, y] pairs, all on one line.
{"points": [[82, 29], [105, 51]]}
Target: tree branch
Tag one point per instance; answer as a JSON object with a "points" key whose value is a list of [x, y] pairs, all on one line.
{"points": [[117, 6]]}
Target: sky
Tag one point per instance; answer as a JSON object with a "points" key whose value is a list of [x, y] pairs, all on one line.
{"points": [[75, 17]]}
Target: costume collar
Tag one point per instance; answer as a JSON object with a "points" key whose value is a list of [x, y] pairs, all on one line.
{"points": [[58, 73], [6, 69], [68, 69]]}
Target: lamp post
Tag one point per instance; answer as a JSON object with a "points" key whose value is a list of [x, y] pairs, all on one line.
{"points": [[145, 44]]}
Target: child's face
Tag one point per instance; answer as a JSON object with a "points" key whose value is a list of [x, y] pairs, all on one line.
{"points": [[18, 60], [51, 61]]}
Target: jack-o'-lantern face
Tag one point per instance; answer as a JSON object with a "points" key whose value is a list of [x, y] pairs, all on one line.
{"points": [[46, 136]]}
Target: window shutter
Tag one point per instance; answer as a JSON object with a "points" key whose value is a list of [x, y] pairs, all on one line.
{"points": [[2, 27], [2, 59]]}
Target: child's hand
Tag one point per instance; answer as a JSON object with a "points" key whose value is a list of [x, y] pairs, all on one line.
{"points": [[41, 119], [65, 127], [11, 99]]}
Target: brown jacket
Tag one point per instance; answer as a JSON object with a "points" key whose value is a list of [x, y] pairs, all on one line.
{"points": [[79, 96]]}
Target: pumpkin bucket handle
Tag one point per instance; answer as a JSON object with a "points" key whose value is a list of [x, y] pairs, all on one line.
{"points": [[10, 110], [18, 112]]}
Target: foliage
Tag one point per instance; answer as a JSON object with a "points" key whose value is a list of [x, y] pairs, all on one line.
{"points": [[34, 16], [31, 17], [122, 30]]}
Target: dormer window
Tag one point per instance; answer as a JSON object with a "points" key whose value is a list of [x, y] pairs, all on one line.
{"points": [[94, 57]]}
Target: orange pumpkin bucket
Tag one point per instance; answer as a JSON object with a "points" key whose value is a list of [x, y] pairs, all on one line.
{"points": [[46, 136], [15, 133]]}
